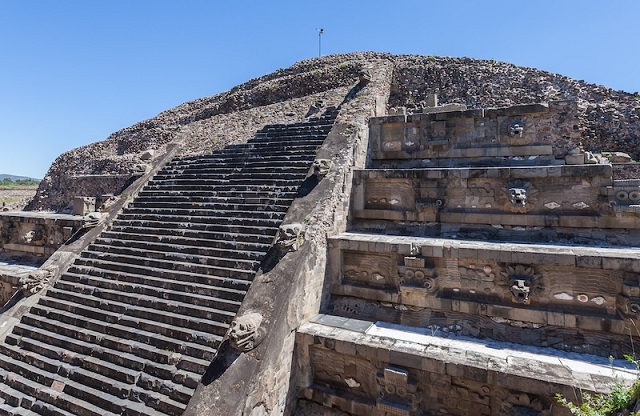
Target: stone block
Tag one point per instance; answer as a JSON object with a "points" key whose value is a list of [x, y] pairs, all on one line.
{"points": [[574, 159], [517, 110], [83, 205], [590, 262], [437, 251], [575, 221], [454, 370], [433, 366], [555, 319]]}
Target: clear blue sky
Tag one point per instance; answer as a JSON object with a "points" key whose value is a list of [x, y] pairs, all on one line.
{"points": [[72, 72]]}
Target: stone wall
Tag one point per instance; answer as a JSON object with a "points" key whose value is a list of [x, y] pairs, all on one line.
{"points": [[609, 120], [579, 299], [35, 233]]}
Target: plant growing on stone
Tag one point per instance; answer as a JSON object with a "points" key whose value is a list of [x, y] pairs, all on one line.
{"points": [[619, 399]]}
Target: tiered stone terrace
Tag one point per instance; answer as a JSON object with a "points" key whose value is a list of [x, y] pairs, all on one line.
{"points": [[481, 275], [133, 324]]}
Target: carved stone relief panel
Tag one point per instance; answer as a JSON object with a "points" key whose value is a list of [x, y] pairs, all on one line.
{"points": [[356, 307], [518, 195], [517, 130], [522, 282], [391, 137], [477, 278], [625, 196], [397, 392], [480, 194], [342, 372], [585, 288], [462, 131], [417, 272], [366, 269], [431, 194], [438, 130], [396, 195], [412, 142]]}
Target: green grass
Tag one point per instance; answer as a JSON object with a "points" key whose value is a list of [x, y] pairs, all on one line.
{"points": [[605, 404], [19, 184]]}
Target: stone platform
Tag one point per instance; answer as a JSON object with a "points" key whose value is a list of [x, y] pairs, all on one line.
{"points": [[483, 271], [366, 368]]}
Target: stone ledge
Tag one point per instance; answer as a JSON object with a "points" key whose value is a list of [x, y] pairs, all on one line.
{"points": [[417, 348], [607, 258], [491, 172], [472, 152]]}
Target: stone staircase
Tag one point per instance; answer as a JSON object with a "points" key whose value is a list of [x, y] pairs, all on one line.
{"points": [[133, 324], [477, 276]]}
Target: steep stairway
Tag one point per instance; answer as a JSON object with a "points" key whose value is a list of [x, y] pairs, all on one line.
{"points": [[132, 325]]}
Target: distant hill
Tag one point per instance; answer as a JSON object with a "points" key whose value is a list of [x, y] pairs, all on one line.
{"points": [[4, 176]]}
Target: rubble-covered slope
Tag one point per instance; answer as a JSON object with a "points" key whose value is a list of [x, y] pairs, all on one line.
{"points": [[610, 119]]}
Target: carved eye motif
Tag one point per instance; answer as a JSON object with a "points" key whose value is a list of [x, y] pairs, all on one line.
{"points": [[516, 130], [518, 196], [520, 289]]}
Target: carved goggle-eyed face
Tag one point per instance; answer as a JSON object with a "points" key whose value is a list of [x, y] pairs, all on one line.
{"points": [[518, 196], [516, 130], [321, 166], [521, 289], [240, 328]]}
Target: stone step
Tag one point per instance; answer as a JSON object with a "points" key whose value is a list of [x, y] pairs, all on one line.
{"points": [[169, 224], [208, 206], [176, 302], [251, 259], [83, 399], [210, 193], [42, 408], [447, 366], [107, 376], [220, 188], [180, 266], [46, 397], [147, 341], [13, 398], [146, 251], [288, 134], [239, 165], [113, 279], [240, 169], [262, 153], [231, 181], [275, 151], [8, 410], [119, 363], [208, 199], [297, 174], [206, 212], [259, 149], [202, 219], [229, 241], [153, 309], [112, 311], [236, 286]]}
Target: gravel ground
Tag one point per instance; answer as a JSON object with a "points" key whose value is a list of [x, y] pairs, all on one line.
{"points": [[15, 199]]}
